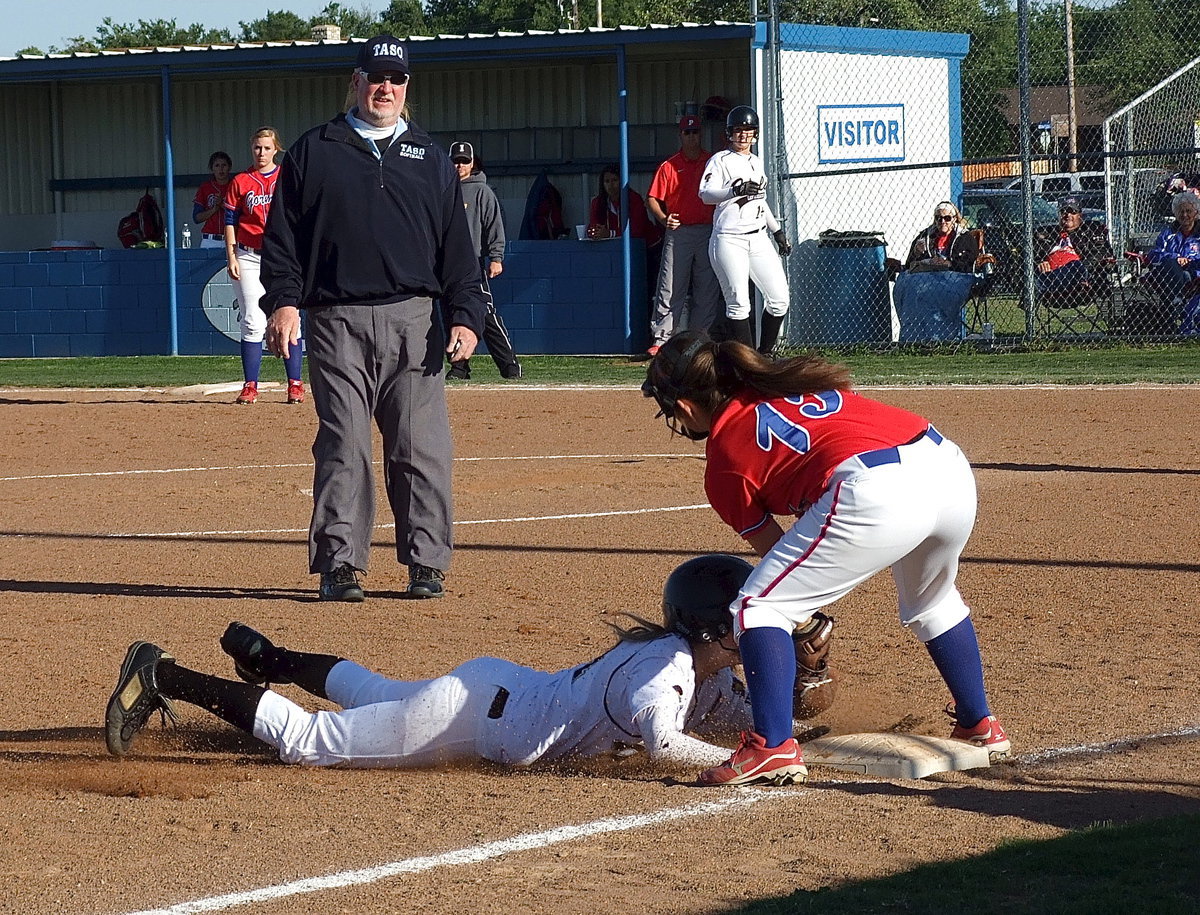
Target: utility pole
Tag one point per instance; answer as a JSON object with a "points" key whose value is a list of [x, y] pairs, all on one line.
{"points": [[1072, 117], [599, 14]]}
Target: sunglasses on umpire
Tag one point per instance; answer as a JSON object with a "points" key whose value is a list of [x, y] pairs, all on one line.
{"points": [[378, 79]]}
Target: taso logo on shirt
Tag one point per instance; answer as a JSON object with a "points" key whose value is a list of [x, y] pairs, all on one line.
{"points": [[410, 151]]}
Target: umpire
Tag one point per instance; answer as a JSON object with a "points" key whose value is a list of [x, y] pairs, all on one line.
{"points": [[674, 200], [366, 230]]}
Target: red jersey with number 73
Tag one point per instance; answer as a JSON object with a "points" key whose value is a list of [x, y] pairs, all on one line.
{"points": [[775, 457]]}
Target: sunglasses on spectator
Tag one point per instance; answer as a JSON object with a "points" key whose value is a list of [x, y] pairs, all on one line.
{"points": [[461, 161], [692, 130], [942, 217], [378, 79]]}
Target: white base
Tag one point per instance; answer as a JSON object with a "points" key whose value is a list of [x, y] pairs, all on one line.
{"points": [[894, 755], [225, 387]]}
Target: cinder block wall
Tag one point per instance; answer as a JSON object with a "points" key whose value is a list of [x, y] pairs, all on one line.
{"points": [[557, 297]]}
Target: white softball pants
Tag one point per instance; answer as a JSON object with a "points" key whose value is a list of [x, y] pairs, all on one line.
{"points": [[737, 259], [914, 516], [251, 318], [385, 722]]}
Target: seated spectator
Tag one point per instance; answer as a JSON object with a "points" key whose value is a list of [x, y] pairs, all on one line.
{"points": [[1164, 194], [947, 244], [1069, 255], [604, 220], [1175, 259], [937, 277]]}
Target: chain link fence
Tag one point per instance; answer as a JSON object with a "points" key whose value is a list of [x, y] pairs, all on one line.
{"points": [[873, 124]]}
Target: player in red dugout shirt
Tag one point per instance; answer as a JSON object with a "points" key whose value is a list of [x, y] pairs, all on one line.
{"points": [[871, 487]]}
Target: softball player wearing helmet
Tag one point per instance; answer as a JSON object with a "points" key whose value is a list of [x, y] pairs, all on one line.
{"points": [[871, 487], [655, 684], [247, 202], [739, 248]]}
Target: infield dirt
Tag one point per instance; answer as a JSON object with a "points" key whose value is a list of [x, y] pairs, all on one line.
{"points": [[1082, 576]]}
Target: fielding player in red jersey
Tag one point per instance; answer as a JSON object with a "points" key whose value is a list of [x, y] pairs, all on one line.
{"points": [[247, 202], [871, 487]]}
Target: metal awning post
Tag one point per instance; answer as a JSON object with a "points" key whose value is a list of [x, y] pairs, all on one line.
{"points": [[626, 246], [169, 228]]}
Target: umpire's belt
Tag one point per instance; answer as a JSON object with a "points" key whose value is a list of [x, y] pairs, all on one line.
{"points": [[497, 707], [892, 455]]}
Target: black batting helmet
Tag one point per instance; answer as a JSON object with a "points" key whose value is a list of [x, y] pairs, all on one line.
{"points": [[741, 116], [698, 593]]}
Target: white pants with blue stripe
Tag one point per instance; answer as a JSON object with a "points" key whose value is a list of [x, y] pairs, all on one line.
{"points": [[913, 515]]}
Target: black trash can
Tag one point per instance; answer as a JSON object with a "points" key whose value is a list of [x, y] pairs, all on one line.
{"points": [[850, 289]]}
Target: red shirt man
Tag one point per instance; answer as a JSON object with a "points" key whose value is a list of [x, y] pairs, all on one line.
{"points": [[674, 201]]}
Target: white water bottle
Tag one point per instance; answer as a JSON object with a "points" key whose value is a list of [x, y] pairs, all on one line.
{"points": [[187, 235]]}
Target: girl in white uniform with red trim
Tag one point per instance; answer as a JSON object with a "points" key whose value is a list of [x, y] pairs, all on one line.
{"points": [[871, 487], [247, 203], [653, 687], [739, 248]]}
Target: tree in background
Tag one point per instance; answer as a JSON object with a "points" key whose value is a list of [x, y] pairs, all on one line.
{"points": [[145, 34], [403, 18], [277, 25]]}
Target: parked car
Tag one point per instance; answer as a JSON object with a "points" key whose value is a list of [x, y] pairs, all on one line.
{"points": [[1087, 187], [1000, 214]]}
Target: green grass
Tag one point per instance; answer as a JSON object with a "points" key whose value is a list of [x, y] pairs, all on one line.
{"points": [[1142, 867], [962, 365]]}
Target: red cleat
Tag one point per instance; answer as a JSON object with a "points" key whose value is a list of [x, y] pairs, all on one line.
{"points": [[295, 391], [986, 733], [755, 763], [249, 393]]}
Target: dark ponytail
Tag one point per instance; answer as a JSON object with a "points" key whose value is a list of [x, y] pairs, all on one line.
{"points": [[718, 371]]}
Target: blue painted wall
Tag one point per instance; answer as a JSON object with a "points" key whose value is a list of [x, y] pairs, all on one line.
{"points": [[557, 297]]}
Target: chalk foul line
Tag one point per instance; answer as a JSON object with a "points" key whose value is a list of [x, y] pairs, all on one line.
{"points": [[308, 464], [304, 530], [534, 840]]}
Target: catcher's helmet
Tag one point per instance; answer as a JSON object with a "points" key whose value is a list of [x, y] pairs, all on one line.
{"points": [[741, 116], [665, 374], [698, 593]]}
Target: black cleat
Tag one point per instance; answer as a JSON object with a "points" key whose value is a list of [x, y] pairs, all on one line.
{"points": [[425, 582], [341, 584], [251, 652], [136, 697]]}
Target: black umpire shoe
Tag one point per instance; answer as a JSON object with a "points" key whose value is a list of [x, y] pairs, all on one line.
{"points": [[459, 371], [341, 584], [252, 653], [136, 697], [425, 582], [511, 372]]}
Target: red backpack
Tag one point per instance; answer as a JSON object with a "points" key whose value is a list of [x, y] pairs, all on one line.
{"points": [[144, 224]]}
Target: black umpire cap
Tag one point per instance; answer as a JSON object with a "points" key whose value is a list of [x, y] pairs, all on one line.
{"points": [[383, 54]]}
